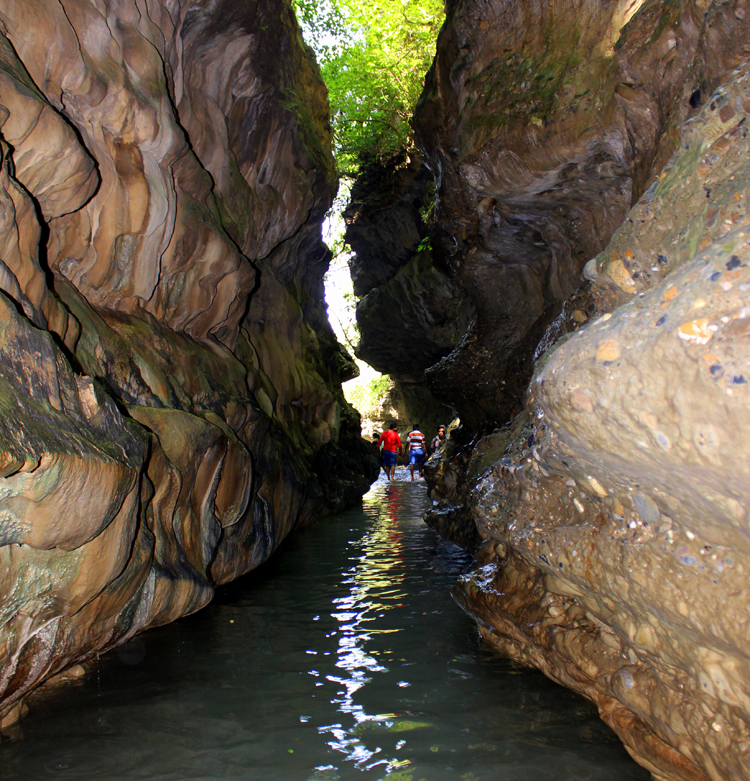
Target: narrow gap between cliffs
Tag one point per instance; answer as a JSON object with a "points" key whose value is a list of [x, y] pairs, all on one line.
{"points": [[373, 58]]}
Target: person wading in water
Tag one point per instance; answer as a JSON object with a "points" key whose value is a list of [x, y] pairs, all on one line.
{"points": [[391, 444], [417, 446], [375, 441]]}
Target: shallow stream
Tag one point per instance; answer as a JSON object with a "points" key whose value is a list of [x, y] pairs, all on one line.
{"points": [[343, 657]]}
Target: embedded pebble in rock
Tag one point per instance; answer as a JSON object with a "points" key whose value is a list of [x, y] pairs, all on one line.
{"points": [[646, 508], [608, 351]]}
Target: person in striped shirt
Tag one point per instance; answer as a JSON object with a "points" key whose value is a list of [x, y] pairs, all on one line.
{"points": [[417, 448]]}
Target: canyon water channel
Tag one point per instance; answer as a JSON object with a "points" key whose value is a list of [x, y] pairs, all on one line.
{"points": [[344, 657]]}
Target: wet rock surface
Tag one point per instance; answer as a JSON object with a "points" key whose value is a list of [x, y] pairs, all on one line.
{"points": [[615, 551], [169, 383]]}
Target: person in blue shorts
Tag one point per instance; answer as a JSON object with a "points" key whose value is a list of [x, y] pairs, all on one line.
{"points": [[391, 443], [417, 447]]}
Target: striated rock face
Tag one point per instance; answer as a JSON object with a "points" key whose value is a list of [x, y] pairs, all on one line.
{"points": [[169, 384], [615, 520]]}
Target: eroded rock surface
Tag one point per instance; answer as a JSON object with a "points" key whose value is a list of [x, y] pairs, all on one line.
{"points": [[169, 384], [542, 124], [609, 510], [410, 313], [615, 521]]}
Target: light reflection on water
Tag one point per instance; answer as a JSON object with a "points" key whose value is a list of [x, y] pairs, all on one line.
{"points": [[342, 658], [374, 584]]}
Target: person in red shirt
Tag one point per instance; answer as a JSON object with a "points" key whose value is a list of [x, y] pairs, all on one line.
{"points": [[391, 445]]}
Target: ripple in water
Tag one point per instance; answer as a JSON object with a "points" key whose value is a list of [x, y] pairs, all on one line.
{"points": [[342, 658]]}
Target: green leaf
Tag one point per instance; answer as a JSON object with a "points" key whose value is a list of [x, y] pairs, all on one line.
{"points": [[373, 57]]}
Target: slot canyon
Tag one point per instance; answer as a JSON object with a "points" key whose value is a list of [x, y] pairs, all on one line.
{"points": [[560, 264]]}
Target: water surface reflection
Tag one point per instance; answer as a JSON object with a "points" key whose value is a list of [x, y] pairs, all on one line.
{"points": [[342, 658]]}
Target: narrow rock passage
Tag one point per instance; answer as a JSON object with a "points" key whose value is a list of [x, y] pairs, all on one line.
{"points": [[344, 657]]}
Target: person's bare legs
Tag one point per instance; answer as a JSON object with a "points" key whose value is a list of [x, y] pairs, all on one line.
{"points": [[411, 468]]}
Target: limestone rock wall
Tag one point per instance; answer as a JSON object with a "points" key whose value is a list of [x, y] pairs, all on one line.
{"points": [[170, 386], [542, 124], [410, 313], [614, 511]]}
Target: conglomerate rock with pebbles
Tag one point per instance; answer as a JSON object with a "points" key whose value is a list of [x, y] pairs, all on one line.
{"points": [[169, 384], [616, 521]]}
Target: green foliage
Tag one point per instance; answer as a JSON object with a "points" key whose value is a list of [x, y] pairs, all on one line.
{"points": [[366, 396], [427, 209], [373, 56]]}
